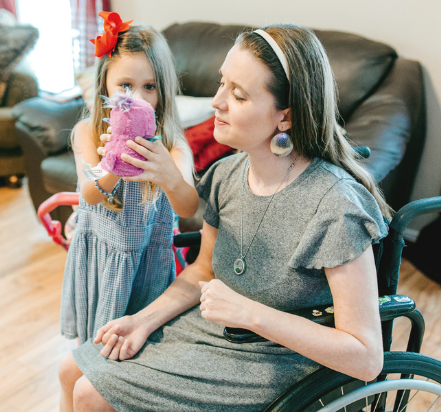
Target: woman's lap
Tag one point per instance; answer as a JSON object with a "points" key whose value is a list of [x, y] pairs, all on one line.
{"points": [[188, 366]]}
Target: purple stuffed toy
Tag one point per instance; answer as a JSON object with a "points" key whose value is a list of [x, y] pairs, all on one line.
{"points": [[130, 117]]}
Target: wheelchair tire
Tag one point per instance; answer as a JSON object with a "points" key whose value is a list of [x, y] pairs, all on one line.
{"points": [[306, 395]]}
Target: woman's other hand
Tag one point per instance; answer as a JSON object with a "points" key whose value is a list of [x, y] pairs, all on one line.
{"points": [[122, 338], [104, 139], [222, 305]]}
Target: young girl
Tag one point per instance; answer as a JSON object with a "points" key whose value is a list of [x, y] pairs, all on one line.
{"points": [[120, 258]]}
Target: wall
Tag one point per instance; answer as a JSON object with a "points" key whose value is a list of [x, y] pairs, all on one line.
{"points": [[410, 26]]}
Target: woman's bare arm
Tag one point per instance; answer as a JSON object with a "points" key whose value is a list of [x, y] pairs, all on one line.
{"points": [[122, 338], [354, 347]]}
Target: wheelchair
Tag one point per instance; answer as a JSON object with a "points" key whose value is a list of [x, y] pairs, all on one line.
{"points": [[405, 375]]}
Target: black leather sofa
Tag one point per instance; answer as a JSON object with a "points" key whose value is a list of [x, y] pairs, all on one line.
{"points": [[381, 102]]}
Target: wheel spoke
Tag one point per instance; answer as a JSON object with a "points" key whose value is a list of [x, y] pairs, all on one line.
{"points": [[404, 364], [354, 397], [342, 392], [405, 406], [436, 400], [378, 399], [410, 400], [365, 384]]}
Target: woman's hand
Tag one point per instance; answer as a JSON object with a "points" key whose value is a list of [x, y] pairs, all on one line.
{"points": [[222, 305], [159, 166], [122, 338]]}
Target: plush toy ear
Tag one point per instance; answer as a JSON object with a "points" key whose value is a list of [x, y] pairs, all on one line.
{"points": [[122, 101]]}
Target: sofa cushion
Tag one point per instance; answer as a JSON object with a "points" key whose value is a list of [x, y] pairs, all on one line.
{"points": [[16, 41], [359, 64], [59, 173], [49, 122], [193, 111]]}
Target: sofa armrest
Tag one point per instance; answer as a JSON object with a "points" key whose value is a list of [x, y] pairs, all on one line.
{"points": [[43, 128], [392, 123], [21, 86], [49, 122]]}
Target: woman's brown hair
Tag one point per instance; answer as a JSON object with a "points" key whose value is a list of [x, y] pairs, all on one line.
{"points": [[311, 94]]}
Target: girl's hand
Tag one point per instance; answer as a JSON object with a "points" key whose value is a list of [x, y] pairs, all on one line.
{"points": [[122, 338], [222, 305], [159, 166], [104, 138]]}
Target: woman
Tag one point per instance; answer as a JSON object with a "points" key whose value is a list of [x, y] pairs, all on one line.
{"points": [[289, 224]]}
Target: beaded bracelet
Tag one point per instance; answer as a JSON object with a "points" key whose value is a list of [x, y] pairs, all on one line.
{"points": [[110, 195]]}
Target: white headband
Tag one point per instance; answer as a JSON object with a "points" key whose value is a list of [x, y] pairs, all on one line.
{"points": [[276, 49]]}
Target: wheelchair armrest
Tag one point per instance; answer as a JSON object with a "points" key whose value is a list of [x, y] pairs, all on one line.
{"points": [[391, 307], [394, 306], [187, 239]]}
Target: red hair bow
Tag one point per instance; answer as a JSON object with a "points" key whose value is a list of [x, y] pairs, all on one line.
{"points": [[113, 25]]}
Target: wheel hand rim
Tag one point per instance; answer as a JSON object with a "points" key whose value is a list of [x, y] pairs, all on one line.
{"points": [[380, 387]]}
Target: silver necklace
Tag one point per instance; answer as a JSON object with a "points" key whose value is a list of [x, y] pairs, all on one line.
{"points": [[239, 264]]}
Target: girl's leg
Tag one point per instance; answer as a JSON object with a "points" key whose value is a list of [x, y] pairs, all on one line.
{"points": [[68, 373], [87, 399]]}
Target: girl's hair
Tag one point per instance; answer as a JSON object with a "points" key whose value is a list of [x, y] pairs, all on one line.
{"points": [[147, 40], [311, 94]]}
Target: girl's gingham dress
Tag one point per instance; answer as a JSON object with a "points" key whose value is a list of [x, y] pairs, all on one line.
{"points": [[118, 262]]}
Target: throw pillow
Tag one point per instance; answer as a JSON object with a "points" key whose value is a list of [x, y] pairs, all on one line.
{"points": [[16, 41], [194, 110], [205, 148]]}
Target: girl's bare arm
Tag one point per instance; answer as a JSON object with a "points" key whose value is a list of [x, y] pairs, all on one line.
{"points": [[85, 149], [353, 347]]}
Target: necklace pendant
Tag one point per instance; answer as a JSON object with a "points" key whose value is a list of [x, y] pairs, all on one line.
{"points": [[239, 266], [111, 200]]}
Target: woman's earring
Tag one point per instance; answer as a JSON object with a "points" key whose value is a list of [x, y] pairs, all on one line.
{"points": [[281, 145]]}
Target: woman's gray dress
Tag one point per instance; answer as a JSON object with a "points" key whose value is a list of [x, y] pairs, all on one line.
{"points": [[322, 219], [118, 262]]}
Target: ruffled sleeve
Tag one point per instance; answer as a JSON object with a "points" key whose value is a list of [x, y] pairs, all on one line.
{"points": [[347, 221], [208, 189]]}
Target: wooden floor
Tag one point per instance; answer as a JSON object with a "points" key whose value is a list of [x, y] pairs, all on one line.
{"points": [[31, 271]]}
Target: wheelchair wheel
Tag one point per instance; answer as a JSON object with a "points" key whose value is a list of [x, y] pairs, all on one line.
{"points": [[368, 397], [325, 385]]}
